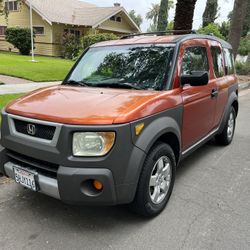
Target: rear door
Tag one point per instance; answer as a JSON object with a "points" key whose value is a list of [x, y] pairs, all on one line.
{"points": [[199, 102], [224, 77]]}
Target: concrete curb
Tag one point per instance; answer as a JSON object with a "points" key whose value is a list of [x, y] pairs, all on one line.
{"points": [[243, 86]]}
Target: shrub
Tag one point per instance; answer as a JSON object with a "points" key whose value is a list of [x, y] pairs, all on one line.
{"points": [[71, 46], [212, 28], [244, 48], [242, 68], [20, 38], [95, 38]]}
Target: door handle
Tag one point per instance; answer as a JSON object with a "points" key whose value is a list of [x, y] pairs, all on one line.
{"points": [[214, 93]]}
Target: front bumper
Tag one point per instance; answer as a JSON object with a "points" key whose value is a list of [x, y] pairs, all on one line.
{"points": [[72, 185]]}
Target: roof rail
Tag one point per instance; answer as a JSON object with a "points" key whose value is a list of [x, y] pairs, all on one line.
{"points": [[160, 33]]}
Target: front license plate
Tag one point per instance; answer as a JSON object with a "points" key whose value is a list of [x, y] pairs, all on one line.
{"points": [[25, 178]]}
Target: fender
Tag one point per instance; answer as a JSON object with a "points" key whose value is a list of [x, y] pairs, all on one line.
{"points": [[169, 121], [165, 122], [232, 97], [155, 130]]}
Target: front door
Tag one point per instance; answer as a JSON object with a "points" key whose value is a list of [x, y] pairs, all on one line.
{"points": [[199, 101]]}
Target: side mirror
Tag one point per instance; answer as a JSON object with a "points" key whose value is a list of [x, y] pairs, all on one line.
{"points": [[196, 78]]}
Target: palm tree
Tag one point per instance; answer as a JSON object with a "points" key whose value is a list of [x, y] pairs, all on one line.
{"points": [[153, 13], [236, 28], [184, 14]]}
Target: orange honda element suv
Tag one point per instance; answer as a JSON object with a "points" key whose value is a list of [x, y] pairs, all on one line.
{"points": [[124, 117]]}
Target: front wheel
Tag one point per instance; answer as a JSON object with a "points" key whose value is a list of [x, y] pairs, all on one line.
{"points": [[156, 181], [226, 137]]}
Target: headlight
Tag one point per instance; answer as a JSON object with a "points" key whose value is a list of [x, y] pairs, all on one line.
{"points": [[92, 143]]}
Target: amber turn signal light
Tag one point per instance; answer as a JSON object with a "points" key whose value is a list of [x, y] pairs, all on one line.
{"points": [[139, 128], [97, 185]]}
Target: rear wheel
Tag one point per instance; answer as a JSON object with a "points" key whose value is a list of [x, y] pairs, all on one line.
{"points": [[226, 137], [156, 181]]}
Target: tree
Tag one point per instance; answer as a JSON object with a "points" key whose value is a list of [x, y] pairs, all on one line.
{"points": [[170, 25], [153, 15], [244, 48], [212, 28], [184, 14], [210, 13], [163, 16], [239, 13], [246, 23], [136, 18], [224, 29]]}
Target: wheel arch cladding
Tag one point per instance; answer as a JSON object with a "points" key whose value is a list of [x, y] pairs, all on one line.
{"points": [[232, 102], [165, 128]]}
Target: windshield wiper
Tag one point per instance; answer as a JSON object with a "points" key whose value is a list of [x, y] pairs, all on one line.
{"points": [[80, 83], [118, 84]]}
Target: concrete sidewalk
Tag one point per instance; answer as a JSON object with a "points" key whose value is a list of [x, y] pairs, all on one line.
{"points": [[14, 85], [24, 88], [13, 80]]}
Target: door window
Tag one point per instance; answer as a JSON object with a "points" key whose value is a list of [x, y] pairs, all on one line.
{"points": [[194, 59]]}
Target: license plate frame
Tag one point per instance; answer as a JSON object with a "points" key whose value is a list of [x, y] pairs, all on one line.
{"points": [[26, 178]]}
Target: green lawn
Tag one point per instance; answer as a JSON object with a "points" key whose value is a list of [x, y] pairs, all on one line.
{"points": [[46, 69], [5, 99]]}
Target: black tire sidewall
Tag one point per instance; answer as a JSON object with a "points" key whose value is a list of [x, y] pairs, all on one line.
{"points": [[159, 150], [232, 111]]}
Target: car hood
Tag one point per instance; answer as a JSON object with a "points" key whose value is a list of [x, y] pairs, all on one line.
{"points": [[82, 105]]}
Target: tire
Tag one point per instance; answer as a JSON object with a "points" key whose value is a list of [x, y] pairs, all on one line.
{"points": [[226, 137], [157, 179]]}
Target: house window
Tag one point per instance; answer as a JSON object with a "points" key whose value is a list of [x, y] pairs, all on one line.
{"points": [[39, 30], [2, 30], [76, 33], [11, 6], [116, 19]]}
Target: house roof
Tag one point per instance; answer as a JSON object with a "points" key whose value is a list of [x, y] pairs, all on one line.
{"points": [[76, 12]]}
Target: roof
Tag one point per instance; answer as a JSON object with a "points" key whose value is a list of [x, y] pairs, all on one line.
{"points": [[76, 12], [139, 40], [175, 39]]}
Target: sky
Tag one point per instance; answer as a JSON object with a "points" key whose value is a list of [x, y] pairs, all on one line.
{"points": [[142, 7]]}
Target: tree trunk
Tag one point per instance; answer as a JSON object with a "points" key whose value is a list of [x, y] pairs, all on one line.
{"points": [[184, 14], [210, 13], [163, 16], [236, 28]]}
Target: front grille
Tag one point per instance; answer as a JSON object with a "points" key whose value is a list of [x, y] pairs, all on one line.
{"points": [[35, 130], [42, 167]]}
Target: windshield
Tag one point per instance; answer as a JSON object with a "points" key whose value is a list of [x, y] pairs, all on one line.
{"points": [[138, 67]]}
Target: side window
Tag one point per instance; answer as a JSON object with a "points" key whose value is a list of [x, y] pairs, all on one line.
{"points": [[229, 61], [217, 61], [194, 59]]}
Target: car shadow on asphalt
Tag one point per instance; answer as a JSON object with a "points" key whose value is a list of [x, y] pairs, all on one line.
{"points": [[92, 218]]}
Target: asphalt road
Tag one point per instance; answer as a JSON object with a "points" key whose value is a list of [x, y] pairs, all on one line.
{"points": [[209, 208]]}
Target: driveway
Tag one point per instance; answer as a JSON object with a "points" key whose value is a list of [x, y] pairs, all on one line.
{"points": [[209, 208]]}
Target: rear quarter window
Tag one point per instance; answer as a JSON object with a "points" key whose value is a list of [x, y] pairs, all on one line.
{"points": [[217, 61], [229, 61]]}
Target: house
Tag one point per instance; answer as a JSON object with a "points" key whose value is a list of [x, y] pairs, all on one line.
{"points": [[51, 18]]}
